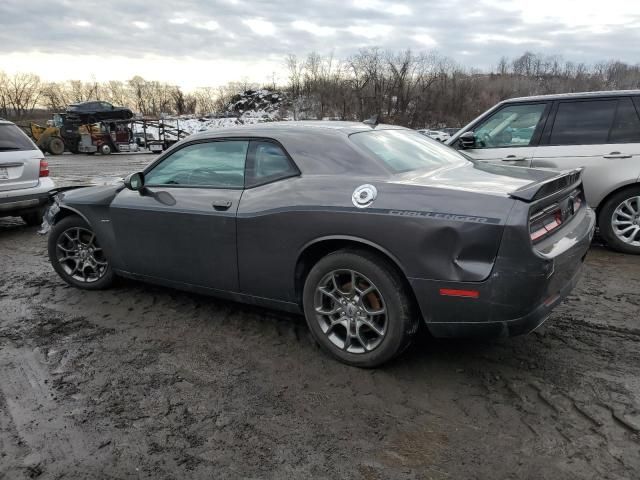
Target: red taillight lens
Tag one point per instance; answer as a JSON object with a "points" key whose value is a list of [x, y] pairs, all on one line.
{"points": [[545, 222], [44, 168]]}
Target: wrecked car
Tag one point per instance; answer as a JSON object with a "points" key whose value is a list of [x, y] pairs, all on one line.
{"points": [[370, 231]]}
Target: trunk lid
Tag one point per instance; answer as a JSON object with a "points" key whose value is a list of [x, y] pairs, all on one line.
{"points": [[481, 177]]}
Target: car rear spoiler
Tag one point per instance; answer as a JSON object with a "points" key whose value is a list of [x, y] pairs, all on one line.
{"points": [[538, 190]]}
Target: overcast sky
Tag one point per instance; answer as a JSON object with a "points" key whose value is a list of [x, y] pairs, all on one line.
{"points": [[205, 42]]}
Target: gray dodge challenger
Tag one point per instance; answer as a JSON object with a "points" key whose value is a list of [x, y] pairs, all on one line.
{"points": [[369, 230]]}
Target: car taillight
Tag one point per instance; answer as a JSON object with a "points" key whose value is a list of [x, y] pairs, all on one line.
{"points": [[550, 218], [44, 168], [545, 222]]}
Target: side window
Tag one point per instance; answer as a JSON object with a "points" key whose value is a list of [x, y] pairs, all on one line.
{"points": [[583, 123], [511, 126], [626, 126], [268, 162], [212, 164]]}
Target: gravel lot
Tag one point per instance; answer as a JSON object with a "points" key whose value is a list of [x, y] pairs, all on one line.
{"points": [[146, 382]]}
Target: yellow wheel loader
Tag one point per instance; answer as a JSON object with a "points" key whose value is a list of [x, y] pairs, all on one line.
{"points": [[48, 139]]}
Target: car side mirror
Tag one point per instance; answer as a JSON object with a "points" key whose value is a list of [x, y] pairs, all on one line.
{"points": [[467, 140], [134, 181]]}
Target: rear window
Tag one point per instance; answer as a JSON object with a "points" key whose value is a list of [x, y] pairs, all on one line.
{"points": [[405, 150], [14, 139]]}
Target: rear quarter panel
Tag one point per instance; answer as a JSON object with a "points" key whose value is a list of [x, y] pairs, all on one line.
{"points": [[431, 233]]}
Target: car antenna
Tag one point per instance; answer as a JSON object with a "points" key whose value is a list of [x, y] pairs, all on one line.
{"points": [[373, 121]]}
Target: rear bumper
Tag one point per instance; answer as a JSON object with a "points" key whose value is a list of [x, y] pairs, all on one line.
{"points": [[520, 293], [505, 328], [16, 202]]}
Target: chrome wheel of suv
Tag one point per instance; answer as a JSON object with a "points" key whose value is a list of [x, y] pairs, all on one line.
{"points": [[625, 221]]}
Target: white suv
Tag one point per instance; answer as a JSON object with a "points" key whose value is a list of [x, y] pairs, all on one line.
{"points": [[599, 131], [24, 176]]}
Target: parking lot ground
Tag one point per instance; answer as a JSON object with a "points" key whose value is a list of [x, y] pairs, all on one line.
{"points": [[145, 382]]}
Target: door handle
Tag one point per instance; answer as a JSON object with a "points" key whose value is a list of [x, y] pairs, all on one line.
{"points": [[222, 204], [617, 155], [513, 158]]}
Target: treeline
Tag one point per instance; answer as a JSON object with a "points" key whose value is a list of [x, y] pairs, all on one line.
{"points": [[425, 89], [23, 93], [415, 89]]}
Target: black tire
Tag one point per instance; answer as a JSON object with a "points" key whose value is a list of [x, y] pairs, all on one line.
{"points": [[402, 322], [56, 233], [105, 149], [33, 219], [56, 146], [605, 219]]}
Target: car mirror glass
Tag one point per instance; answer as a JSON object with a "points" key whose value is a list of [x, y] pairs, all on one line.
{"points": [[134, 181]]}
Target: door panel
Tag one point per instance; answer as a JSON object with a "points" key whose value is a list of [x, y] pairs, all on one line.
{"points": [[182, 225], [509, 135], [607, 167], [185, 235]]}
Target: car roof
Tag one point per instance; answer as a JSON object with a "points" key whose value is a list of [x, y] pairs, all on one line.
{"points": [[4, 121], [275, 129], [575, 95], [317, 147]]}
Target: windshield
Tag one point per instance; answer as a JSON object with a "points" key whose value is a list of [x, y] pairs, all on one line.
{"points": [[12, 138], [406, 150]]}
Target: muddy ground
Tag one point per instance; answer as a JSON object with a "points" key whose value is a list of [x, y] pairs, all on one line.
{"points": [[145, 382]]}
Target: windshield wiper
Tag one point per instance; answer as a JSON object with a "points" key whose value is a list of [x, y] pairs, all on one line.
{"points": [[4, 149]]}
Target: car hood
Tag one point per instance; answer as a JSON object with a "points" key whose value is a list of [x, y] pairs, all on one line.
{"points": [[478, 177], [90, 195]]}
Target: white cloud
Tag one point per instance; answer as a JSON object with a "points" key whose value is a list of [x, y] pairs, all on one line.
{"points": [[370, 31], [492, 38], [82, 23], [312, 28], [399, 9], [210, 25], [380, 6], [425, 40], [178, 20], [572, 12], [141, 25], [260, 26]]}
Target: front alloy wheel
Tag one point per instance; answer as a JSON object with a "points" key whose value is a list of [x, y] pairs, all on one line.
{"points": [[77, 256], [80, 256]]}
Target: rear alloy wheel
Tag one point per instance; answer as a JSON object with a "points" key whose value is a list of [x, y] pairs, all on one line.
{"points": [[619, 221], [77, 256], [356, 308]]}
